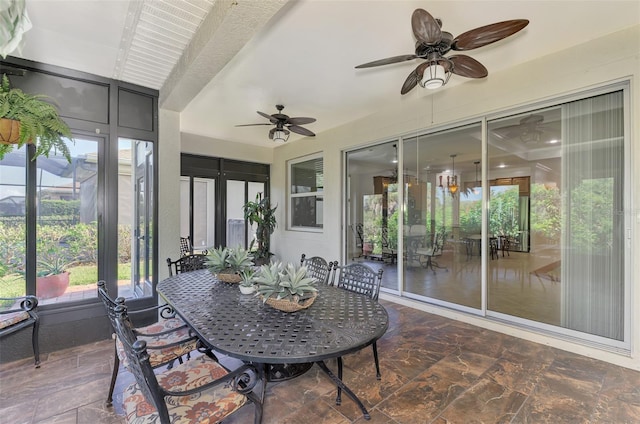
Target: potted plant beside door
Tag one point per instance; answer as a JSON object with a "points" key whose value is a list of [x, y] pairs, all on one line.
{"points": [[54, 258], [261, 213], [26, 118]]}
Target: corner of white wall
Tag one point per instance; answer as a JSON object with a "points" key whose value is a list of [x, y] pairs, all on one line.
{"points": [[168, 151]]}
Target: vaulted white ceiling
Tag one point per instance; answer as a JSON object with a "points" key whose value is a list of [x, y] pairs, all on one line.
{"points": [[219, 61]]}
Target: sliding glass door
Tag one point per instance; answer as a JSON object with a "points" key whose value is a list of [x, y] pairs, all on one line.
{"points": [[442, 231], [561, 175], [530, 229], [373, 211]]}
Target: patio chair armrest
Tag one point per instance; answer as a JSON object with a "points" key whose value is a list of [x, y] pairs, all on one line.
{"points": [[242, 380], [27, 303], [166, 311], [159, 333]]}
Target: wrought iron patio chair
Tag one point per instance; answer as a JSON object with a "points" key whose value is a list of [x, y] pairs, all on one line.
{"points": [[22, 313], [185, 246], [169, 339], [362, 279], [187, 263], [389, 252], [199, 390], [318, 268], [426, 255]]}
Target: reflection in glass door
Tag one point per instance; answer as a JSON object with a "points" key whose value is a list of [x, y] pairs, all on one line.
{"points": [[143, 214], [442, 232], [237, 196], [197, 211], [135, 218], [557, 201], [371, 231]]}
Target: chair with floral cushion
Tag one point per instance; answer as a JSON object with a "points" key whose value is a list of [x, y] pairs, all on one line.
{"points": [[362, 279], [167, 340], [21, 313], [196, 391], [317, 267]]}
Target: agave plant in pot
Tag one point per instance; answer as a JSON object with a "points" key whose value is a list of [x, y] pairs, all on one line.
{"points": [[247, 281], [228, 263], [286, 288], [52, 278]]}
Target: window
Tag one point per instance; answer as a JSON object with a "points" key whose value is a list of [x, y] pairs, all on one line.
{"points": [[306, 192]]}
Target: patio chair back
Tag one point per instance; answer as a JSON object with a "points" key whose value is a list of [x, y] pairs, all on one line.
{"points": [[318, 268], [187, 263]]}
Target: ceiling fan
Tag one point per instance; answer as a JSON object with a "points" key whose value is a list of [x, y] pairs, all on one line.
{"points": [[284, 124], [432, 44], [529, 130]]}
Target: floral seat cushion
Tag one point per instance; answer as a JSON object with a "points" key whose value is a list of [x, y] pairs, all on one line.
{"points": [[7, 320], [164, 355], [206, 407]]}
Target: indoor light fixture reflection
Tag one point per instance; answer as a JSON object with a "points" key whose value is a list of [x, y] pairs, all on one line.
{"points": [[395, 154], [452, 184], [435, 75], [280, 135]]}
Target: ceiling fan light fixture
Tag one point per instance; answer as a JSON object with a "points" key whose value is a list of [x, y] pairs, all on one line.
{"points": [[281, 135], [435, 76], [532, 136]]}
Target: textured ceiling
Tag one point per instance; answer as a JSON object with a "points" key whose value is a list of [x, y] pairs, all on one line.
{"points": [[245, 56]]}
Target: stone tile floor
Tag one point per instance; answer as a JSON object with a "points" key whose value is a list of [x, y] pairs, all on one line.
{"points": [[434, 370]]}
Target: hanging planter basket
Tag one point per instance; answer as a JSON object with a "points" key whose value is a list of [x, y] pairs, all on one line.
{"points": [[9, 131]]}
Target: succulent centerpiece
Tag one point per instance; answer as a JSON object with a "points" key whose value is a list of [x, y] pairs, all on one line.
{"points": [[229, 263], [286, 288]]}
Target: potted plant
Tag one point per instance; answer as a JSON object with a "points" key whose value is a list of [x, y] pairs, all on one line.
{"points": [[261, 213], [52, 278], [247, 282], [286, 288], [228, 263], [26, 118]]}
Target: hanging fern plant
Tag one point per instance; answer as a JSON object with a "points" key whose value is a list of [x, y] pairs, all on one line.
{"points": [[39, 123]]}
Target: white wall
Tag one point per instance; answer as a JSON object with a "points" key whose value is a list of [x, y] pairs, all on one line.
{"points": [[169, 189], [595, 63]]}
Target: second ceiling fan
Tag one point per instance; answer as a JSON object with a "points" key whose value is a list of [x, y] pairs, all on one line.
{"points": [[432, 44], [284, 124]]}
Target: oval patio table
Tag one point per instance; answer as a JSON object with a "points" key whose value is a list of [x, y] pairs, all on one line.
{"points": [[243, 327]]}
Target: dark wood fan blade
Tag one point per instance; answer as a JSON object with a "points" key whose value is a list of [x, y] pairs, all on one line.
{"points": [[271, 132], [425, 28], [466, 66], [300, 130], [300, 120], [250, 125], [411, 81], [387, 61], [269, 117], [488, 34], [280, 116]]}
